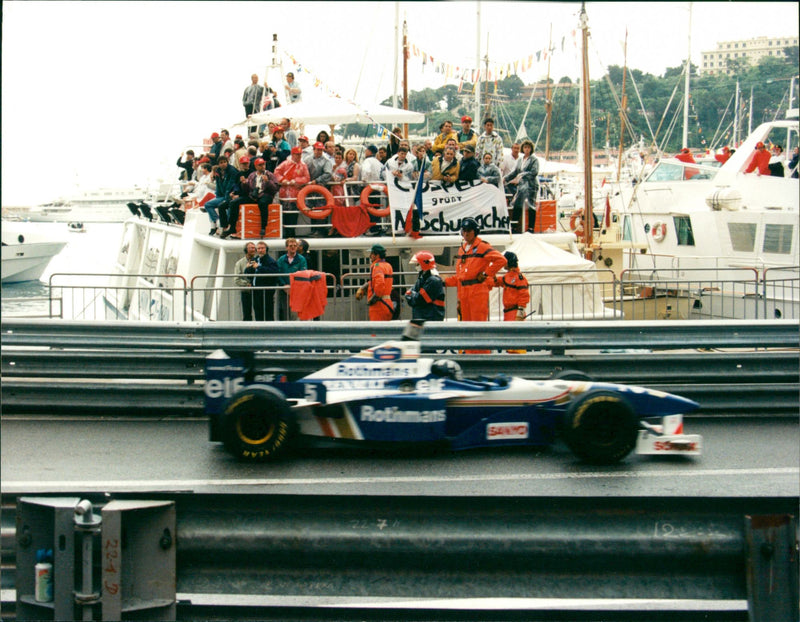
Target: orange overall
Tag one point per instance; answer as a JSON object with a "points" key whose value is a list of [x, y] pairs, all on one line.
{"points": [[516, 295], [477, 262], [379, 292]]}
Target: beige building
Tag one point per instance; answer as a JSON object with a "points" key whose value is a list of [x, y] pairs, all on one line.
{"points": [[749, 50]]}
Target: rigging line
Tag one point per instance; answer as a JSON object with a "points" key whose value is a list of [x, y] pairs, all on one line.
{"points": [[719, 125], [666, 109], [644, 112]]}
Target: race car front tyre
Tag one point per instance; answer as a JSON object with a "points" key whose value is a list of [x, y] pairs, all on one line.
{"points": [[257, 424], [600, 427]]}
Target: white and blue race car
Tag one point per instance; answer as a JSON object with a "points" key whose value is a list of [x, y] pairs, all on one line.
{"points": [[390, 394]]}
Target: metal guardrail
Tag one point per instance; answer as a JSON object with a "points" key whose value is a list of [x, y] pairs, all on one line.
{"points": [[153, 367], [639, 294], [352, 336], [351, 557]]}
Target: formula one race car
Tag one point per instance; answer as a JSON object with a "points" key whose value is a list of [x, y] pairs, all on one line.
{"points": [[389, 394]]}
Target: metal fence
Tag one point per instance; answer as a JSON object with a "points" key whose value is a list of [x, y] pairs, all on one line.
{"points": [[638, 294]]}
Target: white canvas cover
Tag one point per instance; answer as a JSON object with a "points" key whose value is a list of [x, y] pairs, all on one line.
{"points": [[565, 285], [333, 111]]}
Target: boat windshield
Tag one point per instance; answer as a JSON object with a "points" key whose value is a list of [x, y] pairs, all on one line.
{"points": [[674, 170]]}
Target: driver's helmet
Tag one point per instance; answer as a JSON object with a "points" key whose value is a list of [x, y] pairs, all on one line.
{"points": [[445, 368], [425, 260]]}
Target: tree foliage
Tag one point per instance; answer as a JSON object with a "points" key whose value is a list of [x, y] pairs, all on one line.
{"points": [[653, 112]]}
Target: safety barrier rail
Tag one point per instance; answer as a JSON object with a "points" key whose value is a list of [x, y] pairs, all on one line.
{"points": [[348, 557], [642, 294], [158, 367]]}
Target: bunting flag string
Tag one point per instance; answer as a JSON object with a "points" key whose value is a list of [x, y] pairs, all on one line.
{"points": [[495, 71]]}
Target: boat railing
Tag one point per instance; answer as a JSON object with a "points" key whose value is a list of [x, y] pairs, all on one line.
{"points": [[718, 293], [739, 293], [218, 296], [109, 295]]}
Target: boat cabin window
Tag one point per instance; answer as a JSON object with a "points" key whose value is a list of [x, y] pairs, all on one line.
{"points": [[743, 236], [627, 229], [666, 171], [683, 228], [778, 239]]}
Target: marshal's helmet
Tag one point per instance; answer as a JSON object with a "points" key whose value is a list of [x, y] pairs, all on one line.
{"points": [[425, 260], [470, 224], [511, 258]]}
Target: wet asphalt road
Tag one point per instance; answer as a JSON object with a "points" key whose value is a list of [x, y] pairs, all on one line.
{"points": [[755, 457]]}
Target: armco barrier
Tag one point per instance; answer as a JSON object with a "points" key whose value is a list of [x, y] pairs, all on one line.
{"points": [[345, 557], [157, 368]]}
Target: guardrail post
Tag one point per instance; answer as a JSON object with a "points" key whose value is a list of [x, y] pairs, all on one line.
{"points": [[138, 560], [772, 568], [87, 525]]}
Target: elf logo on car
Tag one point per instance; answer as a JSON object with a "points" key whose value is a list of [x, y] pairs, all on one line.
{"points": [[223, 388], [507, 431]]}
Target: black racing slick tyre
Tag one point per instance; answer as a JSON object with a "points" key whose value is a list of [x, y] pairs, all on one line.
{"points": [[600, 427], [570, 374], [257, 424]]}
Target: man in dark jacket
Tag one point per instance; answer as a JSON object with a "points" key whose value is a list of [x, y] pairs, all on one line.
{"points": [[468, 171], [426, 298], [264, 299]]}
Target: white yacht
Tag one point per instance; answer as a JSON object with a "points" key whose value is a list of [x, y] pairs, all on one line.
{"points": [[26, 255]]}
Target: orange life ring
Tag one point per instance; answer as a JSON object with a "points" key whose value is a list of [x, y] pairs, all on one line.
{"points": [[576, 223], [374, 210], [317, 213], [659, 231]]}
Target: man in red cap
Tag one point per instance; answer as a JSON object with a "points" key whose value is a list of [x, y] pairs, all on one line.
{"points": [[291, 174], [216, 148], [760, 160], [686, 156], [467, 136], [724, 156], [305, 147]]}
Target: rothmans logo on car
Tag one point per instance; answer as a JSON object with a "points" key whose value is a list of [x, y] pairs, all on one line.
{"points": [[387, 354]]}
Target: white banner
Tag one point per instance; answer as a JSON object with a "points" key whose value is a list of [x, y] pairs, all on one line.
{"points": [[445, 205]]}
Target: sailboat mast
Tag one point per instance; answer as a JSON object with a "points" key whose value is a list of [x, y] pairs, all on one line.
{"points": [[685, 142], [396, 46], [477, 85], [486, 71], [548, 98], [622, 108], [588, 219], [405, 75]]}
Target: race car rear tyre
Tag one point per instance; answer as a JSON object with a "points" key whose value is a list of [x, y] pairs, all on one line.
{"points": [[570, 374], [600, 427], [257, 424]]}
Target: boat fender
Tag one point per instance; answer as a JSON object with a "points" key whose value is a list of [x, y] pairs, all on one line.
{"points": [[372, 209], [317, 213], [576, 223], [659, 231]]}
